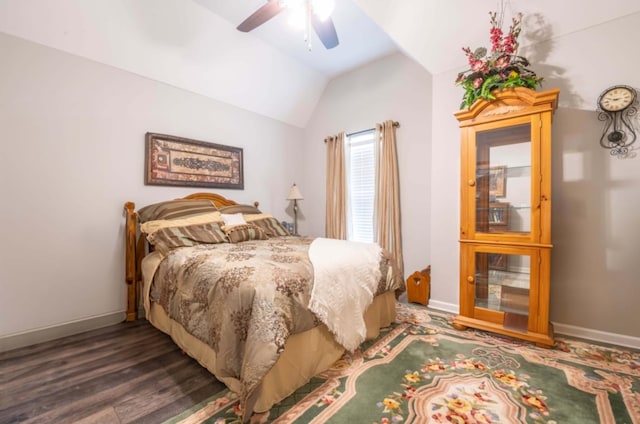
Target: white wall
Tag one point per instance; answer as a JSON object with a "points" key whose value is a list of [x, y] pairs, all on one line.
{"points": [[596, 197], [73, 153], [179, 42], [445, 193], [394, 88], [596, 231]]}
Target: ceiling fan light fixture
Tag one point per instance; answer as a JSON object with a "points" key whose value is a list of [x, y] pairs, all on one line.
{"points": [[297, 18], [323, 8]]}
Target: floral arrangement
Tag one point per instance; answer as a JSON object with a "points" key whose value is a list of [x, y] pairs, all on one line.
{"points": [[501, 68]]}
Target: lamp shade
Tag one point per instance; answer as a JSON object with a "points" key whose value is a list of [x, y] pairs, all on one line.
{"points": [[294, 193]]}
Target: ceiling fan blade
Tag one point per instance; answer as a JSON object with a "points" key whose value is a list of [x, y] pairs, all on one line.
{"points": [[326, 31], [261, 16]]}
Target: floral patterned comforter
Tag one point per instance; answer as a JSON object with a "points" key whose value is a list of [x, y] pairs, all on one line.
{"points": [[243, 300]]}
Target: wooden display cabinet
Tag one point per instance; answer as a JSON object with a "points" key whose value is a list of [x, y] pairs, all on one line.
{"points": [[505, 246]]}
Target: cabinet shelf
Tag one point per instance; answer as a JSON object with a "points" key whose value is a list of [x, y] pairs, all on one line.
{"points": [[483, 172]]}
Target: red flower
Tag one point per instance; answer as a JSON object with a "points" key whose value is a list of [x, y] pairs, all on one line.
{"points": [[510, 44], [502, 62], [496, 39], [479, 66]]}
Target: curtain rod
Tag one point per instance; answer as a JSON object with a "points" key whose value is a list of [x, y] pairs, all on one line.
{"points": [[360, 132], [396, 124]]}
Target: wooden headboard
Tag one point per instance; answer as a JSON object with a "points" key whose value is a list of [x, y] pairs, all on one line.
{"points": [[136, 248], [217, 199]]}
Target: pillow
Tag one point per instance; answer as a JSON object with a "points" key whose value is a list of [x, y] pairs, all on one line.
{"points": [[173, 209], [271, 227], [169, 238], [247, 209], [245, 232], [256, 216], [233, 219], [207, 218]]}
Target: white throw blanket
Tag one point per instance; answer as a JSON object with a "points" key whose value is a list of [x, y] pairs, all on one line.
{"points": [[346, 276]]}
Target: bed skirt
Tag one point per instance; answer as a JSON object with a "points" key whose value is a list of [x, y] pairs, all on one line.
{"points": [[305, 354]]}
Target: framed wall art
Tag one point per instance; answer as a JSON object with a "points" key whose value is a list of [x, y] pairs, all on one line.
{"points": [[178, 161], [497, 181]]}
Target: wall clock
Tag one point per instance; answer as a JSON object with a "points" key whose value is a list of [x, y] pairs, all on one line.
{"points": [[617, 105]]}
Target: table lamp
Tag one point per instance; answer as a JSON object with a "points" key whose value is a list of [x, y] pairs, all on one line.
{"points": [[295, 195]]}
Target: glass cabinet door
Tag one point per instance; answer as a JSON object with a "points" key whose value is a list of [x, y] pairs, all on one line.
{"points": [[504, 288], [503, 284], [502, 181]]}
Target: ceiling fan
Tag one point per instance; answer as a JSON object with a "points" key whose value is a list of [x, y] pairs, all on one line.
{"points": [[316, 12]]}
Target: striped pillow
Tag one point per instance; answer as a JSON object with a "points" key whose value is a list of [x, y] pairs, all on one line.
{"points": [[206, 218], [246, 209], [169, 238], [173, 209], [271, 227], [244, 232]]}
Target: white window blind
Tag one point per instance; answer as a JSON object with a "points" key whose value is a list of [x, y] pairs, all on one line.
{"points": [[361, 169]]}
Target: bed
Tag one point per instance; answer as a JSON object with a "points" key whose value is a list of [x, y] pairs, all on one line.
{"points": [[262, 310]]}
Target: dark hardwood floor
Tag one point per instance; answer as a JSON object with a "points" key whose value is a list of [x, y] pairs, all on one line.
{"points": [[126, 373]]}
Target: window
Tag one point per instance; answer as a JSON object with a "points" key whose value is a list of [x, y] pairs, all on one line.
{"points": [[361, 171]]}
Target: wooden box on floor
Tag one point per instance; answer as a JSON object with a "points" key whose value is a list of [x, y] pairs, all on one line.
{"points": [[418, 286]]}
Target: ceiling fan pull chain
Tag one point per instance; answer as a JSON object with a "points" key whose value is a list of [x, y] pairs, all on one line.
{"points": [[307, 38]]}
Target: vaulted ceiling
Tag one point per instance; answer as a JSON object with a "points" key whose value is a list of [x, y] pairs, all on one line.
{"points": [[432, 32], [194, 44], [361, 39]]}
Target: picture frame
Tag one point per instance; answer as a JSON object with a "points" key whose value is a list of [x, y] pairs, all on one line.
{"points": [[178, 161], [497, 181]]}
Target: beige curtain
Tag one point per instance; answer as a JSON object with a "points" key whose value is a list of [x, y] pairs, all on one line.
{"points": [[336, 213], [388, 232]]}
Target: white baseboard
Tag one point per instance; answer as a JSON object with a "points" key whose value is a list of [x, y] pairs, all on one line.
{"points": [[563, 329], [53, 332], [597, 335], [452, 308]]}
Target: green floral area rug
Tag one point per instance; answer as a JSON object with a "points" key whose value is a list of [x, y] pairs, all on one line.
{"points": [[422, 370]]}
